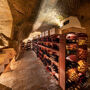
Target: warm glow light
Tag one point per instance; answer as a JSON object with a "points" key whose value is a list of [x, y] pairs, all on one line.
{"points": [[31, 36], [61, 25], [6, 19], [48, 14]]}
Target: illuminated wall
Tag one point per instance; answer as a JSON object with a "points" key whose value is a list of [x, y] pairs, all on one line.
{"points": [[5, 18]]}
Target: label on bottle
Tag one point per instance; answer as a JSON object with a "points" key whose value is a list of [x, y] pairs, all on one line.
{"points": [[46, 33], [52, 31]]}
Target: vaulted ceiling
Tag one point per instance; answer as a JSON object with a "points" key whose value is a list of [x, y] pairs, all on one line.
{"points": [[26, 13], [64, 8]]}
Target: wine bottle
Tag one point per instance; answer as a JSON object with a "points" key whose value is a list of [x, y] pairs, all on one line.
{"points": [[82, 39], [69, 84], [71, 38], [55, 77], [55, 47], [55, 57], [82, 53], [71, 47], [70, 64], [48, 54], [49, 68], [56, 38], [49, 39], [55, 68], [82, 66], [50, 45], [72, 58], [48, 61], [69, 52], [45, 62], [82, 81]]}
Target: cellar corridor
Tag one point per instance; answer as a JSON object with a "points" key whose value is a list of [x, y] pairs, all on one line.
{"points": [[28, 74], [44, 44]]}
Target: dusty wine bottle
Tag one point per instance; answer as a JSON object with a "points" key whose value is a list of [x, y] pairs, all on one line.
{"points": [[71, 38], [55, 47], [55, 68]]}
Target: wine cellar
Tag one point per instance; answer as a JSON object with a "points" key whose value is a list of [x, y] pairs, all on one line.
{"points": [[44, 45], [65, 57]]}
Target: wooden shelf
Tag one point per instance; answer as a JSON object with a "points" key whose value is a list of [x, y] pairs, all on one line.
{"points": [[57, 52], [46, 54], [50, 43], [52, 61], [53, 72]]}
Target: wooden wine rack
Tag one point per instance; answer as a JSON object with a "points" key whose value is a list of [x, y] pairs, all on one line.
{"points": [[40, 45]]}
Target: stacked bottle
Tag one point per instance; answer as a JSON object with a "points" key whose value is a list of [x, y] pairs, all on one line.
{"points": [[76, 57]]}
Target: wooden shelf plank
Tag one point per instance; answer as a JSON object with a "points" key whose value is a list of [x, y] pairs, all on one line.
{"points": [[61, 75], [57, 52], [50, 43], [57, 64]]}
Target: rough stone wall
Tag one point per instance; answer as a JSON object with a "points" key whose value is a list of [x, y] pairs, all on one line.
{"points": [[24, 13], [6, 19]]}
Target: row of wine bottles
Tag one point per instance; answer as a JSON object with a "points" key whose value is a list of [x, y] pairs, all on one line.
{"points": [[25, 46], [76, 57], [76, 65], [49, 53], [51, 67], [34, 47], [53, 38], [79, 85], [50, 45], [49, 63]]}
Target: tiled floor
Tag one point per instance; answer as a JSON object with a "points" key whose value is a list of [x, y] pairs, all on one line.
{"points": [[28, 74]]}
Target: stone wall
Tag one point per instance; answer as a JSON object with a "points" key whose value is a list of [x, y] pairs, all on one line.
{"points": [[6, 19], [24, 13]]}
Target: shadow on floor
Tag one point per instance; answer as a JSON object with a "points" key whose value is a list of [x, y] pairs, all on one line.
{"points": [[2, 87]]}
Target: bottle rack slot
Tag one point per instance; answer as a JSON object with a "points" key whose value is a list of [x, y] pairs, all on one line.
{"points": [[65, 57]]}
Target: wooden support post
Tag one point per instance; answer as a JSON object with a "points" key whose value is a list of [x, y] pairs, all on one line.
{"points": [[62, 61]]}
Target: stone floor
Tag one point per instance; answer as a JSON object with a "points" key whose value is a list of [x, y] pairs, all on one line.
{"points": [[3, 87], [28, 74]]}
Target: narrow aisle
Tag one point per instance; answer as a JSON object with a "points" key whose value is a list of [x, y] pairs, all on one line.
{"points": [[29, 74]]}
